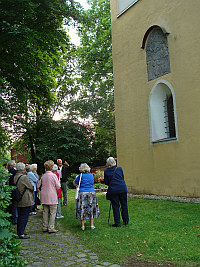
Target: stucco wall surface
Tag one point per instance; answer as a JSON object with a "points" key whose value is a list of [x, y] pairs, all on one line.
{"points": [[164, 168]]}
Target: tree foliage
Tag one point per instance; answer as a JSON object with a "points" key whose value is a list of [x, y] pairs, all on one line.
{"points": [[94, 90], [32, 47], [63, 139]]}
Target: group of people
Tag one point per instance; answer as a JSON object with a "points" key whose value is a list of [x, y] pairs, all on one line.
{"points": [[53, 189]]}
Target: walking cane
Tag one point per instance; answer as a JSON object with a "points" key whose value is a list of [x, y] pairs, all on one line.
{"points": [[109, 213]]}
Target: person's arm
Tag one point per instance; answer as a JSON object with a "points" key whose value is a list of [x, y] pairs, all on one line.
{"points": [[106, 179], [33, 178], [76, 181], [57, 183], [28, 184], [39, 184]]}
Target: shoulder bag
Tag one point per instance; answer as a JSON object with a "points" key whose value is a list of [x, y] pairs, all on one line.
{"points": [[78, 188]]}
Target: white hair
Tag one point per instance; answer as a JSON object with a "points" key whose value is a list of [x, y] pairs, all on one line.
{"points": [[28, 168], [110, 162], [84, 167], [20, 166], [34, 166], [11, 164], [55, 167]]}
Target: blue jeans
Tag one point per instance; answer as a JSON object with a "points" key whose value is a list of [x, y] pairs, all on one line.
{"points": [[23, 215], [116, 201]]}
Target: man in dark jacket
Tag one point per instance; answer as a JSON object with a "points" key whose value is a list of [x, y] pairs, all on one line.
{"points": [[64, 172]]}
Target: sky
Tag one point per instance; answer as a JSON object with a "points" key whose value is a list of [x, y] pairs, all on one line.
{"points": [[72, 32]]}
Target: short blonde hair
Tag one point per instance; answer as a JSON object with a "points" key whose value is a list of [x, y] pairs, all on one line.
{"points": [[84, 167], [49, 165]]}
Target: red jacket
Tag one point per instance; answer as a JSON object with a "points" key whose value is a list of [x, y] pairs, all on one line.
{"points": [[59, 192]]}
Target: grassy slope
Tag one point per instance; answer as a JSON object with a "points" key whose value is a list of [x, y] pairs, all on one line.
{"points": [[159, 231]]}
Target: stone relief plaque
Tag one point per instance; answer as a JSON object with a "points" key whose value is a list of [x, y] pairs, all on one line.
{"points": [[157, 55]]}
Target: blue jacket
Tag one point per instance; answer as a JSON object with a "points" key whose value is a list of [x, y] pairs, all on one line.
{"points": [[33, 180], [87, 182], [114, 178]]}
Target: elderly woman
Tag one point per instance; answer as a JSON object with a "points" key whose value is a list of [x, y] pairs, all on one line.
{"points": [[23, 206], [117, 191], [34, 182], [49, 185], [86, 204], [34, 171]]}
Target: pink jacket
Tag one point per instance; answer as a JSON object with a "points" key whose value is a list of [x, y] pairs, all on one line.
{"points": [[49, 185]]}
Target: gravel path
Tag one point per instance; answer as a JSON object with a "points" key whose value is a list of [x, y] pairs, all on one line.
{"points": [[60, 249]]}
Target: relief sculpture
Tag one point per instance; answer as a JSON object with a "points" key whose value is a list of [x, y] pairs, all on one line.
{"points": [[157, 55]]}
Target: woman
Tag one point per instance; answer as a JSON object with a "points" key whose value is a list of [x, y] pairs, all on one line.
{"points": [[117, 191], [59, 194], [37, 200], [23, 206], [86, 204], [34, 182], [49, 185]]}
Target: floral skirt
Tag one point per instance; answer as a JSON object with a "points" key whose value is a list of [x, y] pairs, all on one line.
{"points": [[87, 206]]}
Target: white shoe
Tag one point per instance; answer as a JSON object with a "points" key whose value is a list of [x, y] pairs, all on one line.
{"points": [[60, 217], [83, 228]]}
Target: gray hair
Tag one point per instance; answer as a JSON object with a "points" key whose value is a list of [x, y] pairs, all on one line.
{"points": [[110, 162], [20, 166], [55, 167], [28, 168], [11, 164], [84, 167], [34, 166]]}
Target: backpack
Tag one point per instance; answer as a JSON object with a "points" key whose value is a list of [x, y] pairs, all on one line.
{"points": [[16, 195]]}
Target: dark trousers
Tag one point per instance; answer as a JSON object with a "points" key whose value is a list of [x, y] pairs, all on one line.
{"points": [[64, 191], [116, 201], [23, 215], [14, 213], [33, 207]]}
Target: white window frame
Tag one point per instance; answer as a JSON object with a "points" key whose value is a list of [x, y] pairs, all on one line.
{"points": [[122, 10], [156, 120]]}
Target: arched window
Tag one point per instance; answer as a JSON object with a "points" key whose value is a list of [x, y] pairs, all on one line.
{"points": [[162, 113], [157, 53]]}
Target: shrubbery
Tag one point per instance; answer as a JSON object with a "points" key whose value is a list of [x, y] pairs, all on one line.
{"points": [[70, 180], [9, 243]]}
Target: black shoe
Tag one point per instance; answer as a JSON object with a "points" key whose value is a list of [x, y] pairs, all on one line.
{"points": [[115, 225], [24, 236], [125, 223]]}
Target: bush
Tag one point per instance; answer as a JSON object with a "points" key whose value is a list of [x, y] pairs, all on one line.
{"points": [[70, 181], [9, 244]]}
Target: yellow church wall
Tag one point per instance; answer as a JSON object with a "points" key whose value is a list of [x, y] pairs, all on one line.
{"points": [[164, 168]]}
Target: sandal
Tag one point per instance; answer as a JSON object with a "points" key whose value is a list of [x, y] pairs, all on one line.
{"points": [[83, 228], [92, 227]]}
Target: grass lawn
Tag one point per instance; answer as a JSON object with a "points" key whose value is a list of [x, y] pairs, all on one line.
{"points": [[159, 231]]}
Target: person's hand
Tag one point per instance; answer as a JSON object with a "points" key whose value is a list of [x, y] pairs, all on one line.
{"points": [[66, 163]]}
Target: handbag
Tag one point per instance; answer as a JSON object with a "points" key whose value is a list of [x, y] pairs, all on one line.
{"points": [[78, 188]]}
